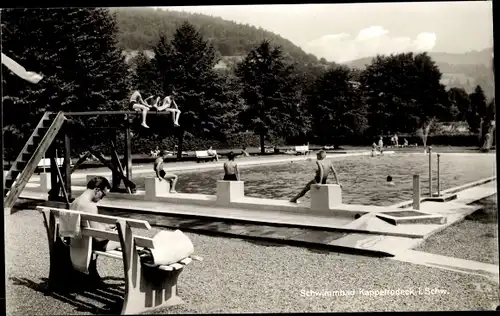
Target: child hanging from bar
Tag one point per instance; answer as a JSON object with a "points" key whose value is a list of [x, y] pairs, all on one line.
{"points": [[322, 172], [169, 105], [138, 104]]}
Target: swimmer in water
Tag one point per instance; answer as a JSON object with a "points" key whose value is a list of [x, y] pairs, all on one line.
{"points": [[389, 181]]}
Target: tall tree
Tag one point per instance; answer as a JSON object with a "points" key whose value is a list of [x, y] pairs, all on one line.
{"points": [[404, 92], [460, 99], [186, 67], [337, 106], [272, 94], [477, 109], [75, 49]]}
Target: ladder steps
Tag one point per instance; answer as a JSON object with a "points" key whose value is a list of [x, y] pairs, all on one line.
{"points": [[26, 162], [42, 130]]}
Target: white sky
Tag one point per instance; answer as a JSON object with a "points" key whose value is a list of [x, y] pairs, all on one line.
{"points": [[343, 32]]}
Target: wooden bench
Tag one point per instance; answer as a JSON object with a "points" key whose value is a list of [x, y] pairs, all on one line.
{"points": [[202, 155], [302, 150], [45, 164], [146, 287]]}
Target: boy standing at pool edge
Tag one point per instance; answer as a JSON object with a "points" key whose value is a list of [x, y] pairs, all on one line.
{"points": [[324, 167]]}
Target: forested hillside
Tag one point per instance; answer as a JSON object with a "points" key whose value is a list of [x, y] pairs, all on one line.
{"points": [[464, 71], [140, 28]]}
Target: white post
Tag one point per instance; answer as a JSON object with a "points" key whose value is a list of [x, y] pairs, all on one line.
{"points": [[230, 191], [154, 187], [45, 183], [416, 192], [325, 196], [438, 185], [430, 171]]}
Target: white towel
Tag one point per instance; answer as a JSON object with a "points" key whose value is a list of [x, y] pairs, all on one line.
{"points": [[80, 251], [171, 247], [69, 225]]}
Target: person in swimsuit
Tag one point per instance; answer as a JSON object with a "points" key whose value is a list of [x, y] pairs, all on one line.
{"points": [[231, 172], [96, 190], [138, 104], [324, 168], [380, 145], [389, 181], [161, 174], [169, 105]]}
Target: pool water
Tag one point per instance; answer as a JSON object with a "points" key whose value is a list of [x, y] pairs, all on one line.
{"points": [[363, 177]]}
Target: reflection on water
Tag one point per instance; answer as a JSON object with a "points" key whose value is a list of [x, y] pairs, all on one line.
{"points": [[363, 177]]}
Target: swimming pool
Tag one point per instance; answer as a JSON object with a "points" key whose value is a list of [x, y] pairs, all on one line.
{"points": [[363, 177]]}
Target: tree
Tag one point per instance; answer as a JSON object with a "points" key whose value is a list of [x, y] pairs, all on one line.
{"points": [[145, 77], [404, 92], [186, 67], [272, 93], [461, 101], [477, 110], [75, 49], [336, 106]]}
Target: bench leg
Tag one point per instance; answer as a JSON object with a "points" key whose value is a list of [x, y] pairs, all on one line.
{"points": [[155, 289], [145, 288], [62, 275]]}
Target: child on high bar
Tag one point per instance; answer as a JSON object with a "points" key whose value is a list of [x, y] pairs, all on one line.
{"points": [[169, 105], [138, 104]]}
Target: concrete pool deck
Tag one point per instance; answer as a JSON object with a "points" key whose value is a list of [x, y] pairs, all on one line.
{"points": [[367, 233], [335, 227]]}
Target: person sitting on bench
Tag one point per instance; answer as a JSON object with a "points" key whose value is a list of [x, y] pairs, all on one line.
{"points": [[211, 153], [97, 188]]}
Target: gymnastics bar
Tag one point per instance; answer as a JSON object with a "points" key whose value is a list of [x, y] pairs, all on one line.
{"points": [[90, 113]]}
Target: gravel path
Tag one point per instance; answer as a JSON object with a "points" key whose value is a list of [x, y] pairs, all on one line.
{"points": [[475, 238], [242, 276]]}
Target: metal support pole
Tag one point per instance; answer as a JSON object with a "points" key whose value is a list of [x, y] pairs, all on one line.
{"points": [[416, 192], [67, 164], [430, 171], [128, 148], [438, 185]]}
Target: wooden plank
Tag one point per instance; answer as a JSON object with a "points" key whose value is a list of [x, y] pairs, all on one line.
{"points": [[97, 113], [166, 268], [80, 161], [196, 258], [67, 164], [126, 181], [61, 182], [176, 266], [128, 148], [118, 163], [112, 235], [110, 254], [134, 223], [186, 261]]}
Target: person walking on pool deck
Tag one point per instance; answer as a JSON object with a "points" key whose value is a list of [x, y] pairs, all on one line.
{"points": [[161, 174], [231, 172], [322, 172]]}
